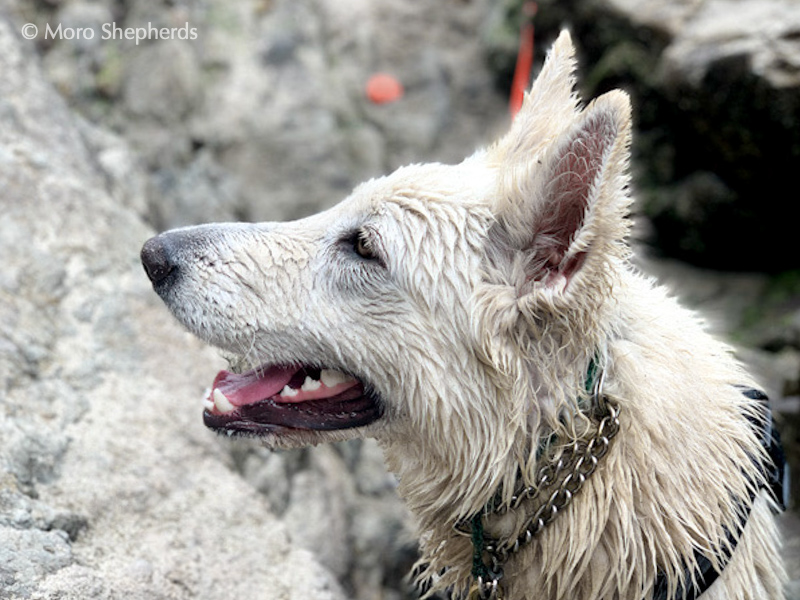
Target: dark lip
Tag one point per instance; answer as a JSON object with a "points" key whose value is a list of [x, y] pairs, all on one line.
{"points": [[355, 407]]}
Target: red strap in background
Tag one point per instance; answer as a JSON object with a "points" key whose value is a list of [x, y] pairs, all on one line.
{"points": [[522, 71]]}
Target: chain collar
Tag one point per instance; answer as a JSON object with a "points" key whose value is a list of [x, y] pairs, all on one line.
{"points": [[566, 473], [563, 476]]}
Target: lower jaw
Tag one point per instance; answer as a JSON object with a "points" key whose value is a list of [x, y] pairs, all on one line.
{"points": [[270, 418]]}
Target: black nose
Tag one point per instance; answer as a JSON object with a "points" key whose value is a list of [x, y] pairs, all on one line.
{"points": [[156, 259]]}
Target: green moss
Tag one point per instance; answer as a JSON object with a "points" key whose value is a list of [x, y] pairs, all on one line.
{"points": [[108, 80], [770, 323], [627, 58], [784, 288], [221, 16]]}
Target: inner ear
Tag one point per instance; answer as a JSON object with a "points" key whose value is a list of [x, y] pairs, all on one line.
{"points": [[570, 183]]}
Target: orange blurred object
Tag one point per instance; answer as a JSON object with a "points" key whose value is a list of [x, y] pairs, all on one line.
{"points": [[383, 88], [522, 72]]}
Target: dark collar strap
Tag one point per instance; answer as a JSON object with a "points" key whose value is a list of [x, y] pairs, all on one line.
{"points": [[776, 475]]}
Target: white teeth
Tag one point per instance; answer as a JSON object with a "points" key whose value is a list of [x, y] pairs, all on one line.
{"points": [[208, 404], [287, 391], [310, 385], [222, 403], [332, 378]]}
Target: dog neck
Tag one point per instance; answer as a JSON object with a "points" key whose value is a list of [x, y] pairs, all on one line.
{"points": [[495, 531], [496, 534]]}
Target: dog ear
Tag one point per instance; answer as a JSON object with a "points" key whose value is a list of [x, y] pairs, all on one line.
{"points": [[568, 203], [550, 103]]}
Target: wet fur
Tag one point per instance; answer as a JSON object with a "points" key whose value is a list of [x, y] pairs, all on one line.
{"points": [[495, 283]]}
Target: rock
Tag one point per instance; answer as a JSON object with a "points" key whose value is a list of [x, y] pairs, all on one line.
{"points": [[167, 94], [339, 502], [29, 556], [765, 31], [316, 512], [266, 110], [109, 487], [716, 86], [125, 180], [203, 191], [731, 78]]}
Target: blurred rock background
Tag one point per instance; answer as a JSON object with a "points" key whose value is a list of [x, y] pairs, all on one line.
{"points": [[109, 485]]}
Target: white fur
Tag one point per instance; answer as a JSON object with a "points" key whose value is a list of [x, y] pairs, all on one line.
{"points": [[499, 279]]}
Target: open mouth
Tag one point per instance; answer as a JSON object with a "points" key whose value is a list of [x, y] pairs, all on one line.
{"points": [[274, 399]]}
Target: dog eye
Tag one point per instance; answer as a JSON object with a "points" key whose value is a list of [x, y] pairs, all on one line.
{"points": [[362, 247]]}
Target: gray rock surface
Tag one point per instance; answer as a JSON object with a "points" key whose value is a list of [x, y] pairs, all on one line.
{"points": [[263, 116], [109, 485]]}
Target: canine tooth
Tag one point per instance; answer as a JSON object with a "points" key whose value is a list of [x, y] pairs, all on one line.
{"points": [[208, 403], [222, 403], [332, 378], [309, 385], [287, 391]]}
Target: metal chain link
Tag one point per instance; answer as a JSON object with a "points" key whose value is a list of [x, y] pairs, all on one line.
{"points": [[486, 590], [579, 461]]}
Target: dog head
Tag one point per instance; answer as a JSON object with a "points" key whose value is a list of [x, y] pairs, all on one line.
{"points": [[447, 310]]}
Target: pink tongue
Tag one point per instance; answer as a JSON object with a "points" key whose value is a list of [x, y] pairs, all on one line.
{"points": [[252, 386]]}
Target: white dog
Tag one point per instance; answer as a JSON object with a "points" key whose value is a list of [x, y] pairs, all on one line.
{"points": [[560, 427]]}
